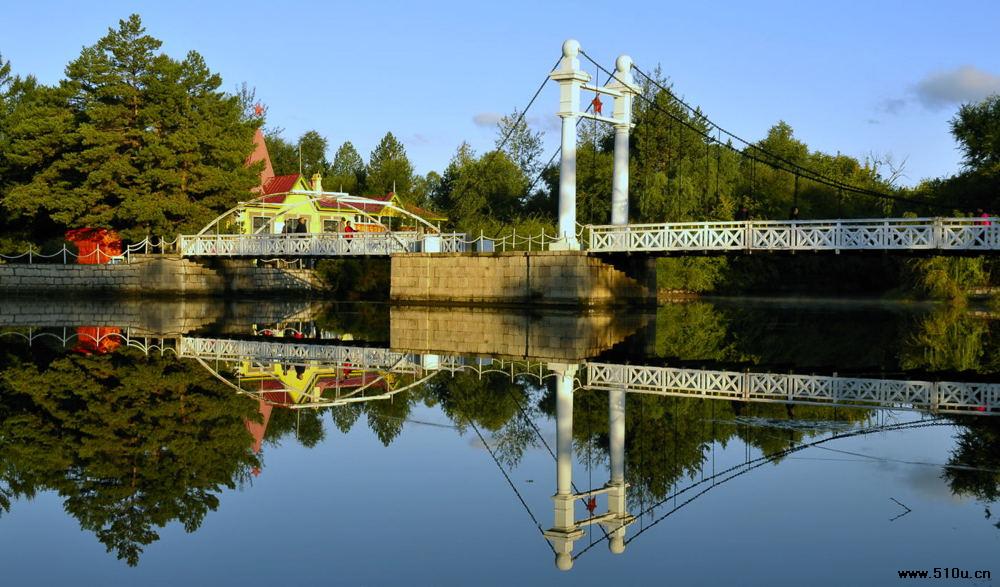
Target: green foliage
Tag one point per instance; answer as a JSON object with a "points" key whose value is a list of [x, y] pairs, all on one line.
{"points": [[691, 331], [355, 279], [976, 127], [947, 278], [389, 168], [313, 148], [284, 155], [132, 140], [949, 339], [424, 187], [523, 146], [690, 274], [973, 468], [490, 187], [347, 173], [131, 443]]}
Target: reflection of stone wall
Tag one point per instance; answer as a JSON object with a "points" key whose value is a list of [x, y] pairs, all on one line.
{"points": [[143, 318], [496, 332], [159, 317], [570, 277], [155, 275]]}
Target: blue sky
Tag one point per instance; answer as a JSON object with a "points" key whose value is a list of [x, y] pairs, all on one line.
{"points": [[858, 77]]}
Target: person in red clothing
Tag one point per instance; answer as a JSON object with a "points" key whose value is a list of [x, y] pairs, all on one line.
{"points": [[348, 229]]}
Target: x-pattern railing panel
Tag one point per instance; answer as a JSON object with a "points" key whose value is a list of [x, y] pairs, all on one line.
{"points": [[312, 245], [977, 234], [828, 390], [264, 351]]}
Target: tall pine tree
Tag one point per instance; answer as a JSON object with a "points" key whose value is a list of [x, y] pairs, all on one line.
{"points": [[388, 166], [132, 140]]}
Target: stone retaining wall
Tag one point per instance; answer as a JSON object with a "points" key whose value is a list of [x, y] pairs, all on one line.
{"points": [[562, 278], [155, 275]]}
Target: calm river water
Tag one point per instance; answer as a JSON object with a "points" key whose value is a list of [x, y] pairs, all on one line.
{"points": [[710, 442]]}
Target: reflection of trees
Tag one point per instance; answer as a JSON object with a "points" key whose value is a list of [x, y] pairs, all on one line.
{"points": [[493, 402], [951, 339], [130, 442], [368, 322], [693, 331], [974, 466]]}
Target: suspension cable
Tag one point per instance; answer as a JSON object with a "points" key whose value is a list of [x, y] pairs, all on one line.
{"points": [[738, 138], [520, 117], [767, 157]]}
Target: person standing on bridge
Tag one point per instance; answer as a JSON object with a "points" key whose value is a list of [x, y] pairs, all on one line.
{"points": [[348, 230], [794, 214], [984, 218], [743, 214]]}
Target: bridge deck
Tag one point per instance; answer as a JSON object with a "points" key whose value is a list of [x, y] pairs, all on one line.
{"points": [[358, 244], [946, 235], [889, 234]]}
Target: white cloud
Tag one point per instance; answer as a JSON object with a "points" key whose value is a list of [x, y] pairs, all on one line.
{"points": [[956, 86], [486, 119]]}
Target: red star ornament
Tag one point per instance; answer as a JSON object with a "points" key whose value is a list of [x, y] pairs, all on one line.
{"points": [[597, 104]]}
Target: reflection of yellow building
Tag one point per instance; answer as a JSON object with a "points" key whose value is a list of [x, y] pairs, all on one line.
{"points": [[296, 384]]}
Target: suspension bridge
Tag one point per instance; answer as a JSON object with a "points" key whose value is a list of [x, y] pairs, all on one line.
{"points": [[582, 263], [942, 235]]}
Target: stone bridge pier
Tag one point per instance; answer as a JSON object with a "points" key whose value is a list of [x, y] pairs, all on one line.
{"points": [[551, 278]]}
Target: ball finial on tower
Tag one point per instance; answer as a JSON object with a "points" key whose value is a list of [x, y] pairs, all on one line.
{"points": [[564, 561], [571, 48], [616, 544], [623, 64]]}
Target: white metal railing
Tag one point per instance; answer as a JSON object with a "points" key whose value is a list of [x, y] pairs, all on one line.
{"points": [[356, 357], [942, 396], [65, 256], [950, 234], [358, 243], [311, 245]]}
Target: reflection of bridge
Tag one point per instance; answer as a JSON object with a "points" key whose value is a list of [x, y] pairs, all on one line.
{"points": [[937, 396], [974, 398], [569, 520]]}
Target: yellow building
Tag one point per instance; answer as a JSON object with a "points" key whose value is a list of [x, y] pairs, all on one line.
{"points": [[285, 201], [288, 200]]}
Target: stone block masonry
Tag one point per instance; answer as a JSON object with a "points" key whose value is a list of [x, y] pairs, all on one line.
{"points": [[509, 333], [156, 275], [543, 278]]}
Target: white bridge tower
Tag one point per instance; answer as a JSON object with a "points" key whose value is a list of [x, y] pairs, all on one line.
{"points": [[571, 80]]}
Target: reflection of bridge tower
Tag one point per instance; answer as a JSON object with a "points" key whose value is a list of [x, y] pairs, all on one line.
{"points": [[566, 529]]}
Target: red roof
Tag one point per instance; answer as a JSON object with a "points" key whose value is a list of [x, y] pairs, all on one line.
{"points": [[277, 187]]}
